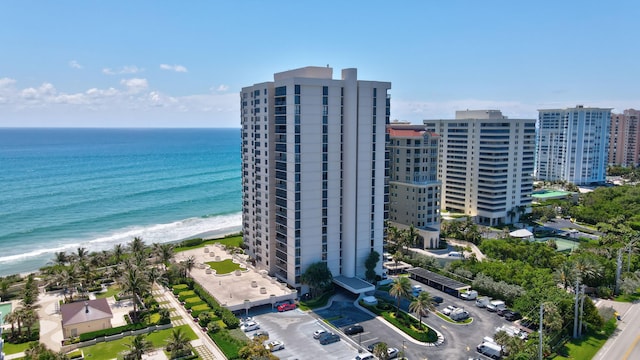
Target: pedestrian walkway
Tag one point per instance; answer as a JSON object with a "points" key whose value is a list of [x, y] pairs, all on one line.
{"points": [[168, 301], [203, 352]]}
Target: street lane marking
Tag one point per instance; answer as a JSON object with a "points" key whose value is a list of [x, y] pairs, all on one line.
{"points": [[633, 345]]}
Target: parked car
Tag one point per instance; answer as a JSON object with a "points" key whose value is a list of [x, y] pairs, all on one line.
{"points": [[502, 311], [329, 338], [354, 329], [260, 333], [318, 333], [250, 326], [364, 356], [437, 299], [459, 314], [447, 311], [286, 307], [416, 290], [512, 315], [392, 353], [274, 345], [372, 346]]}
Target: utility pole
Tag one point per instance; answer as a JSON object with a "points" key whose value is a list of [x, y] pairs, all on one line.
{"points": [[540, 331], [618, 271], [581, 311], [575, 309]]}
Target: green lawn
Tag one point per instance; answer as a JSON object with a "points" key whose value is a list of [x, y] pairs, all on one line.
{"points": [[110, 350], [587, 347], [111, 291], [316, 302], [224, 266], [15, 348], [628, 297]]}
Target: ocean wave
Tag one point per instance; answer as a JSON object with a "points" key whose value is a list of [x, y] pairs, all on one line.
{"points": [[156, 233]]}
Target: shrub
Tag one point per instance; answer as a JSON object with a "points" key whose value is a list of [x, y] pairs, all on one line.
{"points": [[605, 292], [186, 294], [230, 320], [112, 331], [192, 301], [229, 345], [179, 288], [196, 310], [191, 242]]}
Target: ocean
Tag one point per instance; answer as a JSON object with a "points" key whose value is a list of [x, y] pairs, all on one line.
{"points": [[61, 189]]}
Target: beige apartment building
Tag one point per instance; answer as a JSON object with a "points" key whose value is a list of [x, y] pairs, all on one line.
{"points": [[624, 147], [414, 188]]}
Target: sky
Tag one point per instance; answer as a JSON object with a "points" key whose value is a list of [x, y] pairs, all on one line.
{"points": [[183, 63]]}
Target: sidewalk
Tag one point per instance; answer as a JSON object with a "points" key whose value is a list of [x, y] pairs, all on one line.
{"points": [[206, 348]]}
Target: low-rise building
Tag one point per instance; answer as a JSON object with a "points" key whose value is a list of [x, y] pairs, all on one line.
{"points": [[83, 317]]}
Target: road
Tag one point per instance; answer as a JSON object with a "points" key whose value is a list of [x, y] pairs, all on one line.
{"points": [[624, 344]]}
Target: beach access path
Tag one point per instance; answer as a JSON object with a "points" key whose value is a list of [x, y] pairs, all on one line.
{"points": [[204, 345]]}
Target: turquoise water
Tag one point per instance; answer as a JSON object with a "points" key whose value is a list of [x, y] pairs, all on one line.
{"points": [[5, 308], [65, 188]]}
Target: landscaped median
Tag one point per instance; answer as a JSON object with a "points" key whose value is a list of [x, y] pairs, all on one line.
{"points": [[403, 321]]}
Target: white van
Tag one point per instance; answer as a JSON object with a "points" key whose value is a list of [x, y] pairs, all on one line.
{"points": [[496, 305]]}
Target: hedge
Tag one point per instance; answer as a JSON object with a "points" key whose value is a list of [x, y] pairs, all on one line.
{"points": [[192, 301], [186, 294], [191, 242], [112, 331], [196, 310], [179, 288]]}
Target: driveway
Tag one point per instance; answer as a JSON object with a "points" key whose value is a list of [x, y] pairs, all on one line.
{"points": [[295, 329]]}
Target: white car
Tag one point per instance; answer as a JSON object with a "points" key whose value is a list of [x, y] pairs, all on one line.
{"points": [[392, 353], [274, 345], [318, 333], [449, 309], [250, 326]]}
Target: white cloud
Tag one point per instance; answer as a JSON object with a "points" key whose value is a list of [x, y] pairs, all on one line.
{"points": [[222, 88], [176, 68], [74, 65], [135, 85], [131, 69], [6, 82]]}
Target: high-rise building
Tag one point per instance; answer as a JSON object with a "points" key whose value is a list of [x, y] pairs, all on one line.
{"points": [[414, 188], [486, 165], [314, 171], [624, 135], [572, 145]]}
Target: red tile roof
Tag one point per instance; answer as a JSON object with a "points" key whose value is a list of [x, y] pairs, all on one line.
{"points": [[84, 311]]}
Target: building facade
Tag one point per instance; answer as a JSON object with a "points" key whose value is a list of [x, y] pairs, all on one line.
{"points": [[572, 145], [624, 147], [414, 188], [313, 171], [486, 164]]}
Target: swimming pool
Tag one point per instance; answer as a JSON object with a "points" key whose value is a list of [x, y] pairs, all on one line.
{"points": [[5, 308]]}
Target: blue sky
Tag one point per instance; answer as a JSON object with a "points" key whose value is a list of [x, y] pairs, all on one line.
{"points": [[182, 63]]}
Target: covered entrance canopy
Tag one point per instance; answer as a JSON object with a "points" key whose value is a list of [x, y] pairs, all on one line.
{"points": [[438, 281], [353, 284]]}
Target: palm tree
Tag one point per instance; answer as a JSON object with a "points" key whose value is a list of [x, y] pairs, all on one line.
{"points": [[586, 267], [118, 251], [401, 287], [134, 282], [564, 274], [397, 257], [178, 344], [421, 305], [410, 237], [60, 258], [189, 264], [139, 345], [136, 245], [11, 318], [380, 351], [164, 253], [29, 319]]}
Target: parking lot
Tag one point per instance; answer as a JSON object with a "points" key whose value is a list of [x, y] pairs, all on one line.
{"points": [[295, 329]]}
